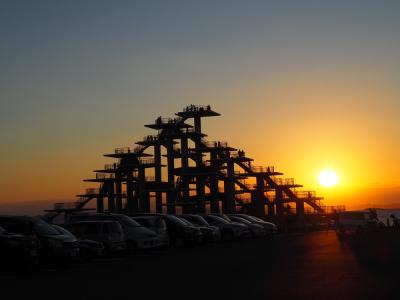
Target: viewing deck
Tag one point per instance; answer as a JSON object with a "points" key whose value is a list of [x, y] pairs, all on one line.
{"points": [[192, 111]]}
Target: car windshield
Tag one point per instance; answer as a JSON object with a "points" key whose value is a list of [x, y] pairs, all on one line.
{"points": [[198, 220], [240, 220], [218, 220], [142, 221], [41, 227], [63, 231], [128, 222], [186, 221], [176, 220], [256, 219]]}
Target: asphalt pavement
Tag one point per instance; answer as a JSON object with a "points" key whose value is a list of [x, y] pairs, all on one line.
{"points": [[292, 266]]}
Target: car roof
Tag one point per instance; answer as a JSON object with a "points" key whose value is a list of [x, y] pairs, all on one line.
{"points": [[20, 217], [94, 222]]}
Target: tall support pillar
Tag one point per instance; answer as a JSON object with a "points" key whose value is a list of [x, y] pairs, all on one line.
{"points": [[118, 191], [144, 206], [129, 194], [229, 188], [271, 210], [214, 205], [259, 204], [100, 204], [279, 203], [185, 179], [110, 196], [171, 181], [200, 184], [157, 175], [300, 210]]}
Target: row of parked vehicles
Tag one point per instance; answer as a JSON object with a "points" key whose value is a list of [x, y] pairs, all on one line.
{"points": [[85, 235]]}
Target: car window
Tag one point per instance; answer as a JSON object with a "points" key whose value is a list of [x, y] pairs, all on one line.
{"points": [[176, 220], [43, 228], [241, 220], [256, 219], [16, 226], [113, 227], [63, 231], [87, 228], [161, 223], [185, 221], [143, 222], [126, 221]]}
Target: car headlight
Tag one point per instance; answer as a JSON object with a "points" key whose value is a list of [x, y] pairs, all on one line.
{"points": [[55, 243]]}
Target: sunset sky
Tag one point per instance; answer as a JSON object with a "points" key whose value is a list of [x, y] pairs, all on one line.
{"points": [[301, 85]]}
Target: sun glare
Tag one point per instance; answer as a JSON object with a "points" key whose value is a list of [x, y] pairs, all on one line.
{"points": [[328, 178]]}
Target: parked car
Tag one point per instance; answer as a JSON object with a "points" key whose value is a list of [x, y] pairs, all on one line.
{"points": [[254, 229], [17, 249], [156, 224], [271, 228], [54, 246], [109, 233], [179, 233], [136, 235], [87, 248], [221, 215], [229, 230], [211, 233]]}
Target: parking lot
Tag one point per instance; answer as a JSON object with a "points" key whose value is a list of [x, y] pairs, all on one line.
{"points": [[292, 266]]}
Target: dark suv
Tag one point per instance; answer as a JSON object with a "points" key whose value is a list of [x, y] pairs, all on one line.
{"points": [[210, 233], [17, 249], [53, 244]]}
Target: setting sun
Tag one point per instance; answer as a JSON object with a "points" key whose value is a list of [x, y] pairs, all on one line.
{"points": [[328, 178]]}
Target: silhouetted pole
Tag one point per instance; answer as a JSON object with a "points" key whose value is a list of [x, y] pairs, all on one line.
{"points": [[100, 204], [185, 179], [118, 191], [157, 175], [214, 205], [129, 193], [229, 188], [171, 178], [110, 192], [259, 204], [199, 165], [279, 202], [144, 207]]}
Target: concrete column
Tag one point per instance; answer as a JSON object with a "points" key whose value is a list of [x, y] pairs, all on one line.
{"points": [[279, 202], [214, 191], [229, 188], [271, 210], [100, 204], [110, 195], [144, 206], [118, 191], [157, 175], [185, 179], [259, 203], [129, 194], [171, 177], [300, 209]]}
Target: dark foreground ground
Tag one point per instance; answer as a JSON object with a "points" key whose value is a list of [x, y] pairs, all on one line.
{"points": [[297, 266]]}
